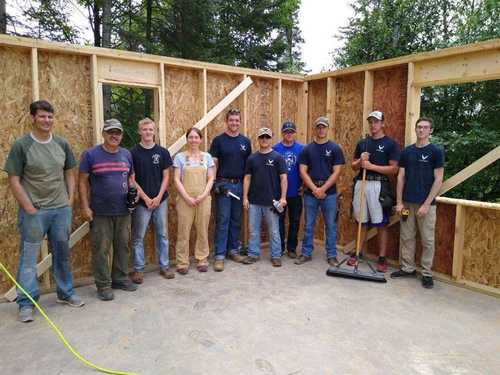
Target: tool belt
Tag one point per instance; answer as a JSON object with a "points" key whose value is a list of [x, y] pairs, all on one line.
{"points": [[317, 183], [229, 180]]}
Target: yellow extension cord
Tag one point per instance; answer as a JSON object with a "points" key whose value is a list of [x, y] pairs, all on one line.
{"points": [[60, 334]]}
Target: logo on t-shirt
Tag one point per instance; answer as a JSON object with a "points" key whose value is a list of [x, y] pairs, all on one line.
{"points": [[328, 153], [380, 148], [270, 162], [290, 160], [156, 158], [424, 158], [243, 147]]}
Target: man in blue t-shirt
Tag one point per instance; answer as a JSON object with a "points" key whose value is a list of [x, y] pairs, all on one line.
{"points": [[320, 164], [421, 169], [230, 151], [379, 155], [151, 167], [105, 173], [264, 195], [290, 149]]}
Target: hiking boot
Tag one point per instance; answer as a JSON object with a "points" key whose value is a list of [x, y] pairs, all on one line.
{"points": [[202, 268], [250, 260], [401, 273], [219, 265], [25, 314], [333, 262], [237, 257], [127, 286], [427, 282], [105, 294], [302, 259], [167, 273], [137, 277], [276, 262], [182, 270], [382, 267], [292, 254], [73, 301]]}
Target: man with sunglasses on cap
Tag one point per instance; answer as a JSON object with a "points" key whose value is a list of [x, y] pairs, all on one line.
{"points": [[106, 171], [230, 151], [264, 195], [320, 164], [290, 149], [379, 155]]}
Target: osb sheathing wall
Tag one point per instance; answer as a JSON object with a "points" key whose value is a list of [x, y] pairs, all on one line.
{"points": [[65, 78]]}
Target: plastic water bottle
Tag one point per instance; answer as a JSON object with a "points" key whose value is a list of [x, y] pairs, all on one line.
{"points": [[277, 206]]}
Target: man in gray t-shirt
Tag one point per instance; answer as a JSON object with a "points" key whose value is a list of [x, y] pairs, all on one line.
{"points": [[41, 177]]}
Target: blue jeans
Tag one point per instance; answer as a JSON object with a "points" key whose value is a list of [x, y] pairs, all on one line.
{"points": [[56, 224], [140, 221], [228, 221], [255, 214], [328, 208]]}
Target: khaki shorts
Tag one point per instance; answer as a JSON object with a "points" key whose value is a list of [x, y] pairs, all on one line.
{"points": [[372, 213]]}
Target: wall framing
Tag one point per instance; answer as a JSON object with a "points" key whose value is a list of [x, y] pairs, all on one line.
{"points": [[273, 98]]}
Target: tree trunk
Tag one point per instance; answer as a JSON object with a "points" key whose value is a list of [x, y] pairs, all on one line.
{"points": [[3, 17]]}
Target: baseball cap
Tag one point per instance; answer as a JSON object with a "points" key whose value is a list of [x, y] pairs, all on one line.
{"points": [[376, 114], [322, 121], [112, 123], [287, 126], [264, 131]]}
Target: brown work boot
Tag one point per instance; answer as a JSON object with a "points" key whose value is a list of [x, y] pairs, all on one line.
{"points": [[219, 265], [276, 262], [250, 260], [183, 270], [137, 277], [302, 259], [237, 258], [167, 273]]}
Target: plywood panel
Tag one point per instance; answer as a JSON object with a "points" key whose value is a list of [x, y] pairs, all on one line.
{"points": [[15, 98], [482, 246], [260, 99], [65, 82], [347, 130], [317, 104], [290, 102]]}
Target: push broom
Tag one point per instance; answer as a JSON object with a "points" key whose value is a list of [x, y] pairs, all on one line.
{"points": [[355, 272]]}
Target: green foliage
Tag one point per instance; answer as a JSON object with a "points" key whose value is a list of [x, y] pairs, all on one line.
{"points": [[466, 116]]}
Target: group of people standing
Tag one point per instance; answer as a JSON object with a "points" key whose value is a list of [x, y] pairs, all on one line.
{"points": [[276, 181]]}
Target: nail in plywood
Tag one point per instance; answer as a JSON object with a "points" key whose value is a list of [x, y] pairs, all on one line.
{"points": [[121, 71]]}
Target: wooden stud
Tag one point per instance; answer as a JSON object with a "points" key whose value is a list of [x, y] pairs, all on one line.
{"points": [[302, 125], [458, 244], [244, 110], [471, 170], [244, 114], [35, 91], [203, 102], [217, 109], [467, 203], [331, 94], [412, 106], [96, 99], [367, 99], [162, 129], [276, 108]]}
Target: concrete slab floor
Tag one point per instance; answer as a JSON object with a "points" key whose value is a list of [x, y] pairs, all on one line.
{"points": [[265, 321]]}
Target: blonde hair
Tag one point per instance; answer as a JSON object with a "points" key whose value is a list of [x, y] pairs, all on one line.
{"points": [[145, 121]]}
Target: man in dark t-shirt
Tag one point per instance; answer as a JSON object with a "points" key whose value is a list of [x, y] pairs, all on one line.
{"points": [[151, 167], [421, 169], [379, 155], [320, 164], [230, 151], [106, 170], [264, 195]]}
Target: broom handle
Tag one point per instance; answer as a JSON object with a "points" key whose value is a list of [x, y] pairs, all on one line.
{"points": [[361, 212]]}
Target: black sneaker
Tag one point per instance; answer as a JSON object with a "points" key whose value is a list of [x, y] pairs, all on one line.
{"points": [[128, 286], [427, 282], [250, 260], [105, 294], [401, 273], [292, 254], [302, 259]]}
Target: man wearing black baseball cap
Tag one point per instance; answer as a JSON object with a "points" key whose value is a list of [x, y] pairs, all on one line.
{"points": [[290, 149]]}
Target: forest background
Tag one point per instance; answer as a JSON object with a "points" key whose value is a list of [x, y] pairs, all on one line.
{"points": [[265, 34]]}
